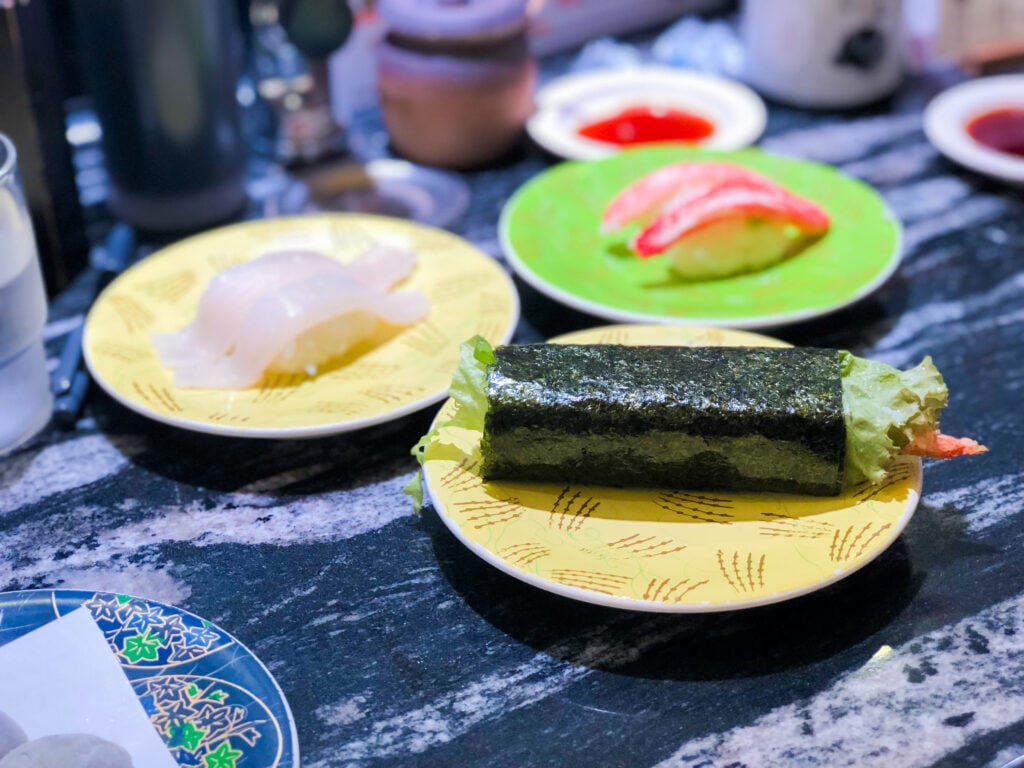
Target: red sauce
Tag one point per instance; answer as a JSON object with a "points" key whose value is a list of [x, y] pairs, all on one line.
{"points": [[1000, 129], [643, 125]]}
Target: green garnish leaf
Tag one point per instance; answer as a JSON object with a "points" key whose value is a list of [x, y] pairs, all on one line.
{"points": [[884, 409], [469, 391]]}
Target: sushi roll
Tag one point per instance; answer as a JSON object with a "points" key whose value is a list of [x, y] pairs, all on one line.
{"points": [[11, 734], [714, 220], [73, 750], [791, 420]]}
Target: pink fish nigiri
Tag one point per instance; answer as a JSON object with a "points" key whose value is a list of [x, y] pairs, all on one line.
{"points": [[671, 185], [732, 228]]}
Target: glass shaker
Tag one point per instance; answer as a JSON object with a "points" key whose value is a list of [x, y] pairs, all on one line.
{"points": [[455, 79], [25, 400]]}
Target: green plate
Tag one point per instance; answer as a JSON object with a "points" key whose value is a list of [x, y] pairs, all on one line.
{"points": [[550, 233]]}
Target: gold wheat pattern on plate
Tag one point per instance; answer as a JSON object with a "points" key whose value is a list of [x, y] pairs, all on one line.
{"points": [[596, 581], [695, 506], [646, 546], [362, 370], [457, 288], [852, 541], [571, 509], [335, 408], [278, 387], [671, 590], [123, 353], [743, 571], [170, 288], [614, 335], [426, 339], [160, 398], [481, 514], [462, 477], [134, 317], [219, 417], [795, 527], [392, 394], [223, 261], [898, 474], [488, 325], [524, 554]]}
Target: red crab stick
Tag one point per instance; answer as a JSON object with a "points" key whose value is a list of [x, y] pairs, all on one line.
{"points": [[935, 445], [671, 185], [737, 200]]}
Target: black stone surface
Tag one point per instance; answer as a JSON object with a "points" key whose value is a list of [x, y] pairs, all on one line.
{"points": [[395, 645]]}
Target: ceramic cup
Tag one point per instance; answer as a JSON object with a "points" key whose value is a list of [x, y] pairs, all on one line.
{"points": [[825, 53]]}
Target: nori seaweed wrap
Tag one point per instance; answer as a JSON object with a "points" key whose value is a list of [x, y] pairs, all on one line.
{"points": [[797, 420], [743, 419]]}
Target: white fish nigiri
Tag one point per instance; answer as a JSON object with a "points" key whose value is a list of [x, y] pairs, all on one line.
{"points": [[290, 312]]}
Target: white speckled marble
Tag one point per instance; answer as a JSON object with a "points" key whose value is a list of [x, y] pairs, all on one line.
{"points": [[920, 701], [396, 646]]}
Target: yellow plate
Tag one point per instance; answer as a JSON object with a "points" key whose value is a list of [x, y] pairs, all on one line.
{"points": [[469, 294], [665, 550]]}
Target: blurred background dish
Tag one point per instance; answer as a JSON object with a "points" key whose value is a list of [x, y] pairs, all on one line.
{"points": [[550, 231], [385, 187], [980, 125], [828, 54], [644, 104], [173, 146], [455, 79]]}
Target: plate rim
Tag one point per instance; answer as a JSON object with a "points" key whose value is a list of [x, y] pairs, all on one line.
{"points": [[52, 595], [545, 129], [648, 606], [286, 433], [618, 315], [955, 143]]}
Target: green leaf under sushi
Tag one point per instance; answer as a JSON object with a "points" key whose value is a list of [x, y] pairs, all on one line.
{"points": [[468, 390], [884, 409]]}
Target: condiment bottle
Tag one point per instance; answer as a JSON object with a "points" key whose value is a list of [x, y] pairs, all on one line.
{"points": [[455, 78]]}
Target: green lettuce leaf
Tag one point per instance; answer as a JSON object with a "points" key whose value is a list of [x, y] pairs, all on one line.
{"points": [[469, 391], [884, 409]]}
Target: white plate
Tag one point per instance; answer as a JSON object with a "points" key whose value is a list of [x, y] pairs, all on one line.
{"points": [[568, 103], [946, 118]]}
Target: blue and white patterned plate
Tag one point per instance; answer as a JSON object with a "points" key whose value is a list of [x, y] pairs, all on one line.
{"points": [[213, 702]]}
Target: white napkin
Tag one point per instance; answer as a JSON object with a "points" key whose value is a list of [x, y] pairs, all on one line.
{"points": [[64, 678]]}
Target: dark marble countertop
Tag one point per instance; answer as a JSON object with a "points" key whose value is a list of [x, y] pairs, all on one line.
{"points": [[395, 645]]}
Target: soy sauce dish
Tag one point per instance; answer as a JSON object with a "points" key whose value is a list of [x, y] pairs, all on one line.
{"points": [[980, 125]]}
